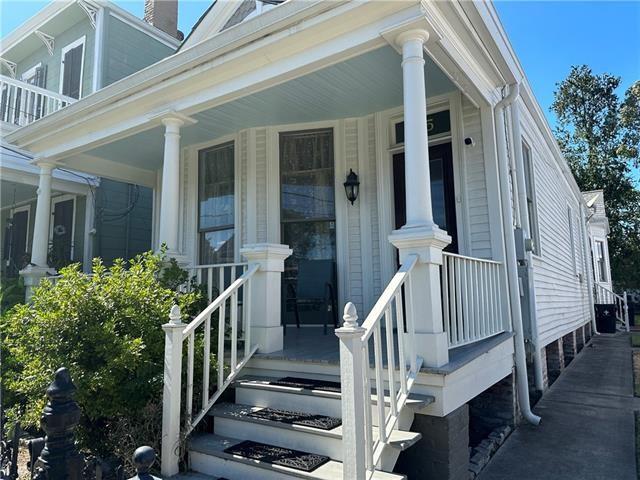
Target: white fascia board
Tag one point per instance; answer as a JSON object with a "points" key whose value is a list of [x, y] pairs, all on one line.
{"points": [[100, 167], [248, 68]]}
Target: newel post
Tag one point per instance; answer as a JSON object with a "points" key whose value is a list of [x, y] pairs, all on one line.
{"points": [[171, 393], [352, 371], [626, 310]]}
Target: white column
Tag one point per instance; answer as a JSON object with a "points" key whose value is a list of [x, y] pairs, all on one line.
{"points": [[38, 268], [170, 442], [265, 314], [421, 236], [40, 247], [416, 143], [170, 200]]}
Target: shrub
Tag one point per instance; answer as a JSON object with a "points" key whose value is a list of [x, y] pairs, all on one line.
{"points": [[106, 329]]}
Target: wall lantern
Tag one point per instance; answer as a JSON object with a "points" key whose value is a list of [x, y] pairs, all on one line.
{"points": [[352, 186]]}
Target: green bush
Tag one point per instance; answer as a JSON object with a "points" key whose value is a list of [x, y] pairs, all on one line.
{"points": [[106, 329]]}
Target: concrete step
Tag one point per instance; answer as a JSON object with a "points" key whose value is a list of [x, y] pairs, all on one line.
{"points": [[259, 392], [206, 455], [233, 420]]}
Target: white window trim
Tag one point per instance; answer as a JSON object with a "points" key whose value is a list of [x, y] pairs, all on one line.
{"points": [[59, 199], [530, 172], [572, 239], [80, 41], [30, 72], [24, 208]]}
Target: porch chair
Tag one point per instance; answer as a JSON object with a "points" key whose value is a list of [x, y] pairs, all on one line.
{"points": [[315, 286]]}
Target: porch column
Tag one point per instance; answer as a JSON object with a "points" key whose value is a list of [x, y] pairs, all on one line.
{"points": [[170, 199], [265, 316], [38, 267], [421, 236]]}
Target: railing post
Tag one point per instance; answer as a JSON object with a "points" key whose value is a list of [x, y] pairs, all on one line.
{"points": [[171, 394], [352, 371], [265, 304], [626, 310]]}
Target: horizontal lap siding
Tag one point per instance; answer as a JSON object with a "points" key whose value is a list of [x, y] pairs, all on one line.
{"points": [[355, 282], [562, 303], [261, 184], [373, 209], [475, 184], [243, 160]]}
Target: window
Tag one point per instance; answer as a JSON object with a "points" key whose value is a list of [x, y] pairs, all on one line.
{"points": [[600, 261], [531, 202], [572, 244], [71, 70], [36, 75], [216, 209]]}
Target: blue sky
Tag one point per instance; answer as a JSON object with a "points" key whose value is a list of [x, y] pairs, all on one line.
{"points": [[548, 36]]}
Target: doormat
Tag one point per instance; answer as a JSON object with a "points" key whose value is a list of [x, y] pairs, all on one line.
{"points": [[297, 418], [285, 457], [307, 384]]}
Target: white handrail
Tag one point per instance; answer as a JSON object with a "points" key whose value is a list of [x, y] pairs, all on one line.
{"points": [[605, 295], [472, 298], [225, 306], [365, 437], [217, 277], [22, 103]]}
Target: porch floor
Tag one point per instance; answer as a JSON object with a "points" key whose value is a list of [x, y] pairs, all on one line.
{"points": [[310, 345]]}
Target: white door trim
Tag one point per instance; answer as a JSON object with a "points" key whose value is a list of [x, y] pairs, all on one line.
{"points": [[59, 199]]}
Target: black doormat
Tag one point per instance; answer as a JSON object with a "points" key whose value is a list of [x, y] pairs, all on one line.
{"points": [[297, 418], [307, 384], [303, 461]]}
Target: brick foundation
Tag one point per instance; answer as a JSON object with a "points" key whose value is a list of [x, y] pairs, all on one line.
{"points": [[555, 360], [569, 347], [443, 450], [493, 408], [580, 339], [545, 369]]}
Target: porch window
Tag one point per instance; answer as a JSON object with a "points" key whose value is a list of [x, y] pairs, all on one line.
{"points": [[216, 197], [531, 204], [600, 261], [307, 196]]}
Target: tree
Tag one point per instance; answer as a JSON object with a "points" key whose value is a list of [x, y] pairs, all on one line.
{"points": [[599, 135]]}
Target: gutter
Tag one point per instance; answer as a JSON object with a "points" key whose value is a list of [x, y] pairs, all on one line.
{"points": [[511, 259]]}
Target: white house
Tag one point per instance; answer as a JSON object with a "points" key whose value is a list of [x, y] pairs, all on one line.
{"points": [[463, 261]]}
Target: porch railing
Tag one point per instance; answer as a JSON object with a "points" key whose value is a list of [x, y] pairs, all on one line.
{"points": [[223, 310], [366, 434], [605, 295], [22, 103], [472, 303], [216, 278]]}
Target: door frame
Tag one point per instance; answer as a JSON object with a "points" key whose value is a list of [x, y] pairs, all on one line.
{"points": [[60, 199], [386, 148]]}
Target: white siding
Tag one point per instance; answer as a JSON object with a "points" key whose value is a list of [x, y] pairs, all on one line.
{"points": [[242, 148], [261, 184], [372, 195], [562, 302], [475, 184]]}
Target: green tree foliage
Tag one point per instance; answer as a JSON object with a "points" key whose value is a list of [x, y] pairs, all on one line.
{"points": [[106, 328], [600, 137]]}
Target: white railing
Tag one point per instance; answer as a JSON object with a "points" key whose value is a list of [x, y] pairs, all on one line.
{"points": [[216, 278], [224, 313], [365, 436], [604, 295], [22, 103], [472, 299]]}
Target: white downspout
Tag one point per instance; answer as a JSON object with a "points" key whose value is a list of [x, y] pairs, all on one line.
{"points": [[511, 260], [524, 224], [589, 264]]}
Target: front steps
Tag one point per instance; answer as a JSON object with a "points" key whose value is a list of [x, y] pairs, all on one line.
{"points": [[233, 423]]}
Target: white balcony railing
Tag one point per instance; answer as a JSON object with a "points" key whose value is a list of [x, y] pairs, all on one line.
{"points": [[366, 434], [22, 103], [472, 299], [216, 278]]}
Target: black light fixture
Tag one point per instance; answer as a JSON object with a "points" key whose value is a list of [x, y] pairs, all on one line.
{"points": [[352, 186]]}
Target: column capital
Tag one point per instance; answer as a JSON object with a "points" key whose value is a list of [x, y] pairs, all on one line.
{"points": [[46, 166], [270, 256], [416, 34], [171, 118]]}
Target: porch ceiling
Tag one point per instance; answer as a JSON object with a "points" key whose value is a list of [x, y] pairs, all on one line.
{"points": [[362, 85]]}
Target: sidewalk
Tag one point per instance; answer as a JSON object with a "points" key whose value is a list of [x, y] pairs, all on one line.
{"points": [[587, 430]]}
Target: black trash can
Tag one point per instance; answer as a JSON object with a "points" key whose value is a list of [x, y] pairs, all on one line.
{"points": [[606, 317], [633, 308]]}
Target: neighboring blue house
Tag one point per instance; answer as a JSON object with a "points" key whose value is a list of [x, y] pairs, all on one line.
{"points": [[66, 52]]}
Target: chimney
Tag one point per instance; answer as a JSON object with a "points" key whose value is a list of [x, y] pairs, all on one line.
{"points": [[162, 14]]}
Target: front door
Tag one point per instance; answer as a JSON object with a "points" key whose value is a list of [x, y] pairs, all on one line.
{"points": [[307, 216], [442, 191]]}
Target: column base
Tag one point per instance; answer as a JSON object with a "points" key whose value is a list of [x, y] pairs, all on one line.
{"points": [[32, 275], [433, 348], [270, 339]]}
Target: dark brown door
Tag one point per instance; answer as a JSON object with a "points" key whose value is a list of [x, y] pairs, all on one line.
{"points": [[62, 241], [442, 191]]}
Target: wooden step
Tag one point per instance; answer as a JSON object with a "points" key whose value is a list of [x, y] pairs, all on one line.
{"points": [[234, 421], [207, 455]]}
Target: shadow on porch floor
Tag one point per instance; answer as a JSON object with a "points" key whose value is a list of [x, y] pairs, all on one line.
{"points": [[310, 345]]}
